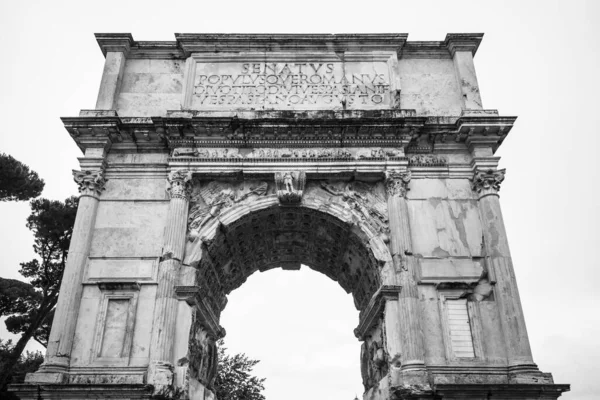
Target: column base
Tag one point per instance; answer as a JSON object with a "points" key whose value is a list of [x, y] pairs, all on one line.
{"points": [[30, 391]]}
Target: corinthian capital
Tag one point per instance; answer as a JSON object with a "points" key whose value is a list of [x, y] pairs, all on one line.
{"points": [[180, 184], [488, 181], [396, 183], [90, 183]]}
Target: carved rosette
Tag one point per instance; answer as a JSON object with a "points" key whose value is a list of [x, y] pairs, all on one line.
{"points": [[179, 184], [488, 181], [91, 183], [396, 183]]}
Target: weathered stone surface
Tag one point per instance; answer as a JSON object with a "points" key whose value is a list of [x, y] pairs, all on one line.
{"points": [[368, 158], [129, 229], [444, 228]]}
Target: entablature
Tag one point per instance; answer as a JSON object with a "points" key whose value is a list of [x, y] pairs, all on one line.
{"points": [[293, 129]]}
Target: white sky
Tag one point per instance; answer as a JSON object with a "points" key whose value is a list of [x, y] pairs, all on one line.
{"points": [[539, 60]]}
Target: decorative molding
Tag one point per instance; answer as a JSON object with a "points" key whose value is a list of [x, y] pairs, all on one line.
{"points": [[488, 181], [396, 182], [91, 183], [207, 318], [427, 160], [179, 184], [374, 310], [290, 186], [276, 129]]}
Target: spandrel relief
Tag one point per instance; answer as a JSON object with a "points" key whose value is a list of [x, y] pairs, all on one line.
{"points": [[209, 199], [365, 200]]}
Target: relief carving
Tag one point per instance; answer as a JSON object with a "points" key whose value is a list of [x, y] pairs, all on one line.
{"points": [[206, 153], [427, 159], [363, 200], [179, 184], [374, 361], [202, 352], [90, 182], [396, 183], [311, 153], [487, 182], [290, 186], [210, 199]]}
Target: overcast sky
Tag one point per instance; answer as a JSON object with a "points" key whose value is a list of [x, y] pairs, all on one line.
{"points": [[539, 60]]}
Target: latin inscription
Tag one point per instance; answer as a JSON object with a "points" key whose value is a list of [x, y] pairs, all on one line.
{"points": [[292, 85]]}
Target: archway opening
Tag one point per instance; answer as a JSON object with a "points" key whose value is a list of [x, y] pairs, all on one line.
{"points": [[299, 325], [287, 238]]}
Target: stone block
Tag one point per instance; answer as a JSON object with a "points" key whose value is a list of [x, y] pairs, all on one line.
{"points": [[129, 229], [135, 189], [450, 269], [445, 228], [147, 104], [452, 189], [429, 86], [123, 270]]}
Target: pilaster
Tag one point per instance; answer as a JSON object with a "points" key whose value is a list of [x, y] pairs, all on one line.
{"points": [[115, 48], [462, 47]]}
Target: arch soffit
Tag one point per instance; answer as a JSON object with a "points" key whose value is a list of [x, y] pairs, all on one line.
{"points": [[371, 241]]}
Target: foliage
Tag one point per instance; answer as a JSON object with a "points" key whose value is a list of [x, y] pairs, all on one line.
{"points": [[25, 364], [17, 182], [234, 381], [29, 306]]}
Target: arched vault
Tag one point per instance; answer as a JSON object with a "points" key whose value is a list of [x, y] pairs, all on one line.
{"points": [[265, 235]]}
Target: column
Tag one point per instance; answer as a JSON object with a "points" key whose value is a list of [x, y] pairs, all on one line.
{"points": [[411, 335], [160, 372], [486, 183], [91, 184]]}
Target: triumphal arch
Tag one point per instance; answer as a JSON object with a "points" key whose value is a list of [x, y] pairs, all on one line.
{"points": [[368, 158]]}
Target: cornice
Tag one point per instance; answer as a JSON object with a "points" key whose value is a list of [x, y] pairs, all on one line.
{"points": [[463, 42], [374, 310], [385, 128], [195, 42], [186, 44], [118, 42]]}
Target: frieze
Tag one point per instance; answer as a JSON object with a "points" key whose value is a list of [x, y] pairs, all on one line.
{"points": [[427, 160], [297, 154]]}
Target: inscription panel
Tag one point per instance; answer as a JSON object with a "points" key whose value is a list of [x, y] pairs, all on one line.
{"points": [[281, 81]]}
